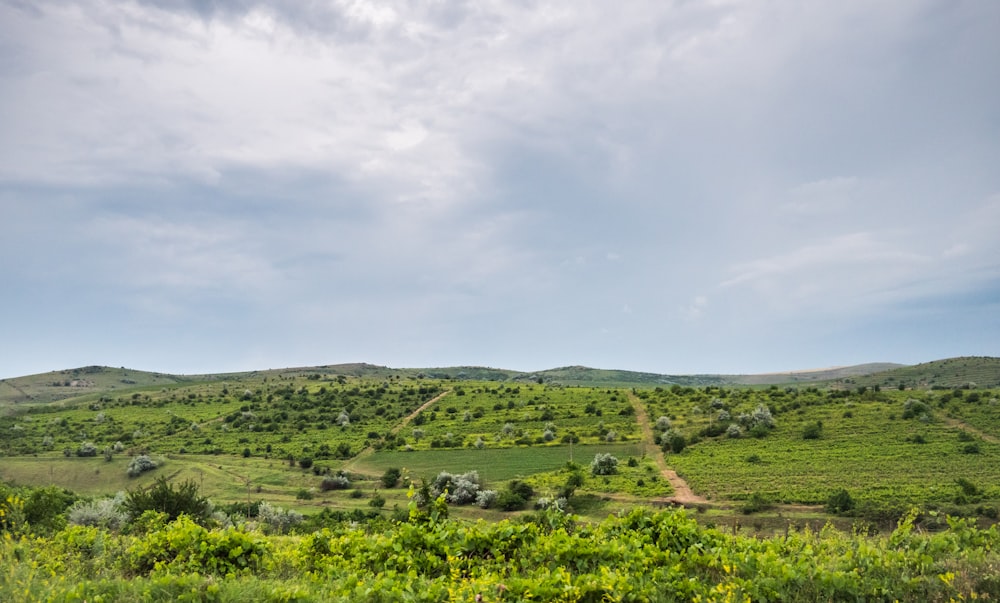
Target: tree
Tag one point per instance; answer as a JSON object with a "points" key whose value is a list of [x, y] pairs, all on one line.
{"points": [[391, 477], [604, 464]]}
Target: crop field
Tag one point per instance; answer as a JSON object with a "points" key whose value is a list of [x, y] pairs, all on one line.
{"points": [[488, 415], [871, 445], [491, 463], [277, 435]]}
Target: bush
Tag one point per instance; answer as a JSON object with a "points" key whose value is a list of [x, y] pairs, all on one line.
{"points": [[186, 547], [86, 449], [44, 508], [276, 519], [305, 462], [459, 489], [604, 464], [140, 465], [335, 482], [163, 497], [510, 501], [812, 431], [108, 513], [915, 408], [756, 503], [391, 477], [840, 502], [486, 498], [733, 431]]}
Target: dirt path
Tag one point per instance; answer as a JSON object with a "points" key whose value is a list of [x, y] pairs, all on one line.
{"points": [[406, 420], [349, 465], [682, 492], [960, 424]]}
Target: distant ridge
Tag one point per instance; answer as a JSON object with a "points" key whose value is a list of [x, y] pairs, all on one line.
{"points": [[967, 371], [964, 371]]}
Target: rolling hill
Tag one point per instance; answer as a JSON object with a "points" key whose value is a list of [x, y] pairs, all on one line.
{"points": [[54, 386]]}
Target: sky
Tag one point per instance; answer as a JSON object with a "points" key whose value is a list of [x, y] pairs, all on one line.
{"points": [[711, 186]]}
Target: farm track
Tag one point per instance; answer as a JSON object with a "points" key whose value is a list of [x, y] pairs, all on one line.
{"points": [[960, 424], [683, 494], [349, 465]]}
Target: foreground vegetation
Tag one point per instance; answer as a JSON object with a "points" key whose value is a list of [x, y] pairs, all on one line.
{"points": [[422, 555]]}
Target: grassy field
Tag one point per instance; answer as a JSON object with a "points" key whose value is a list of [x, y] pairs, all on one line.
{"points": [[496, 464], [279, 432], [862, 443]]}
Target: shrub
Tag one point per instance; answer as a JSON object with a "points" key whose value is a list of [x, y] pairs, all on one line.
{"points": [[762, 416], [459, 489], [663, 423], [756, 503], [812, 431], [335, 482], [44, 508], [840, 502], [305, 462], [915, 408], [186, 547], [140, 465], [108, 513], [163, 497], [604, 464], [511, 501], [970, 448], [486, 498], [673, 441], [733, 431], [391, 477], [276, 519], [86, 449]]}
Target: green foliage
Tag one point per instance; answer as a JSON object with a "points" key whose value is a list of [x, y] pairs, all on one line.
{"points": [[162, 496], [44, 508], [604, 464], [183, 546], [140, 465], [515, 496], [391, 477], [840, 502], [813, 431], [547, 556], [755, 503]]}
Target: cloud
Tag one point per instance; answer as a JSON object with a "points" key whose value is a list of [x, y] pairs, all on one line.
{"points": [[423, 181]]}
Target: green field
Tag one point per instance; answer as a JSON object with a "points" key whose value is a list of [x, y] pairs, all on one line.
{"points": [[279, 433], [492, 464]]}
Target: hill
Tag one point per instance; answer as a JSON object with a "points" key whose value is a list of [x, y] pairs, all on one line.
{"points": [[972, 371], [54, 386]]}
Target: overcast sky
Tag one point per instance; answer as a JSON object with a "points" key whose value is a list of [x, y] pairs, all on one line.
{"points": [[727, 186]]}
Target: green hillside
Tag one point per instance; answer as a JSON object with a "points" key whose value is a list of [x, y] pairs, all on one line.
{"points": [[972, 371], [95, 381]]}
